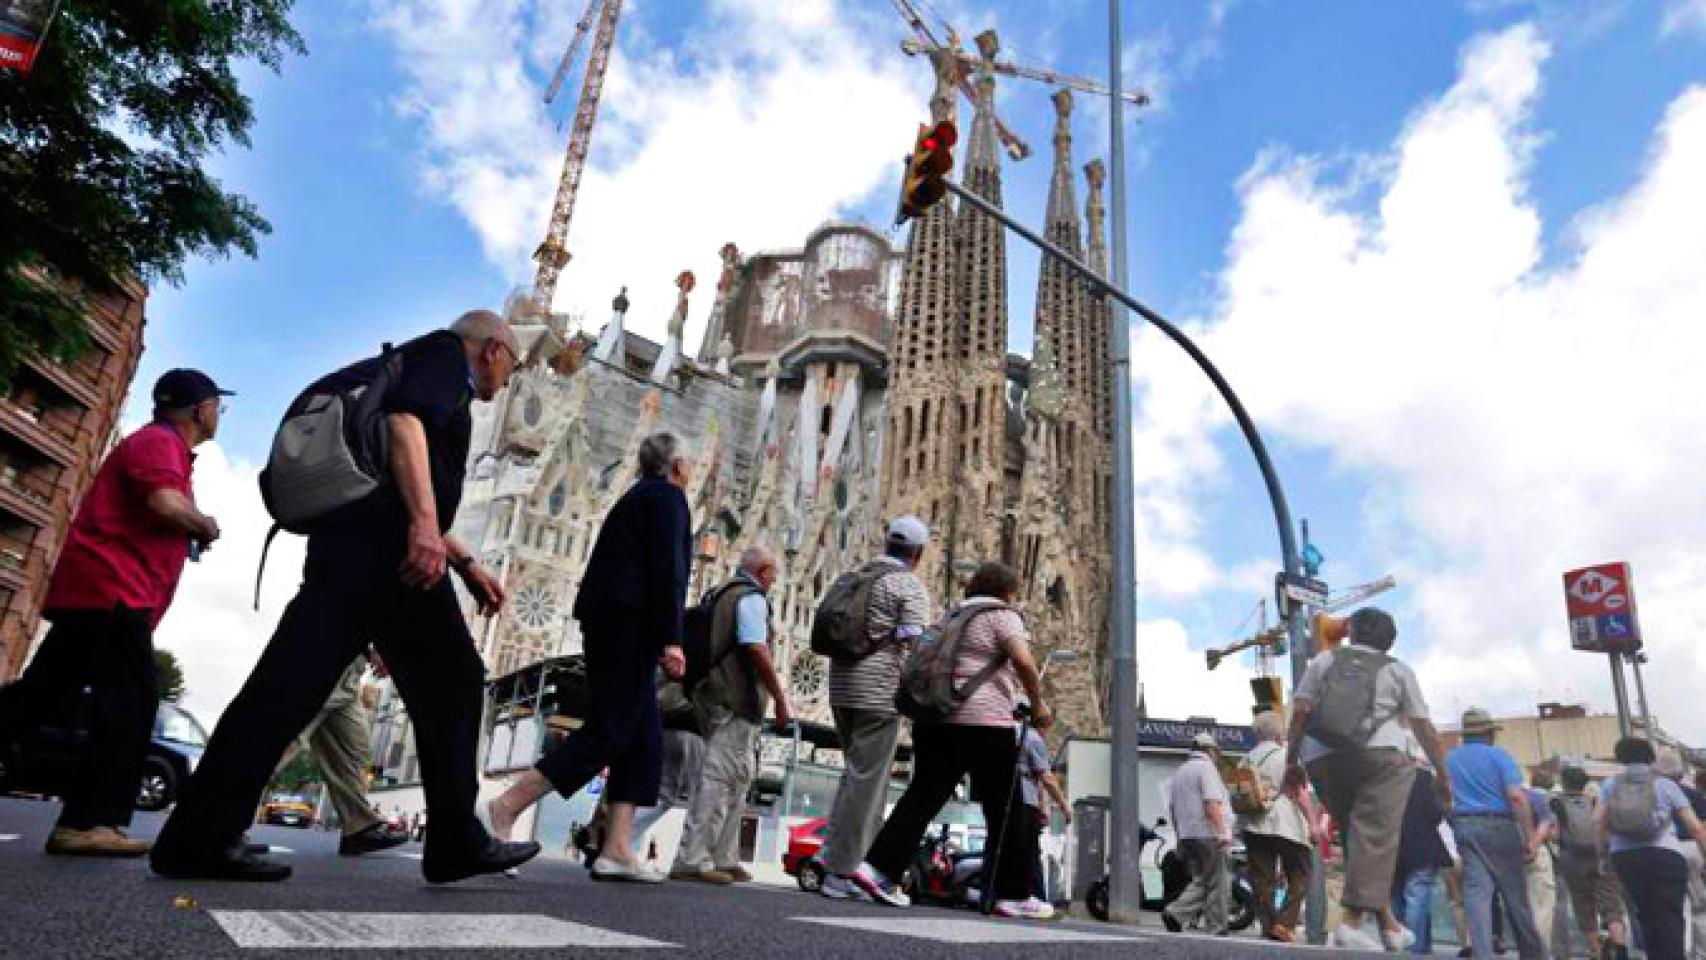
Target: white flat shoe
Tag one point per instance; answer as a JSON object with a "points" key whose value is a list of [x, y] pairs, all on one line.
{"points": [[606, 869]]}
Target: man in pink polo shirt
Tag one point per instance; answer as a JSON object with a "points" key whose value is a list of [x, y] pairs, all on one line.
{"points": [[114, 580]]}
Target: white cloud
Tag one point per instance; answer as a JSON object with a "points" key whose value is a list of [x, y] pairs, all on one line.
{"points": [[1164, 654], [212, 626], [1513, 417], [768, 119], [1684, 16]]}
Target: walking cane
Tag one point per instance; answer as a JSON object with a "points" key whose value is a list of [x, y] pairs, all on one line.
{"points": [[986, 900]]}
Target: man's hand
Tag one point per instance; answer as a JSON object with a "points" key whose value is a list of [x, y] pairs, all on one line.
{"points": [[423, 565], [673, 661], [488, 593], [1442, 791], [207, 530], [1041, 716], [784, 715]]}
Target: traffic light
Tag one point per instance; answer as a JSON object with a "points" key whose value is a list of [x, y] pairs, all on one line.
{"points": [[1330, 631], [932, 158]]}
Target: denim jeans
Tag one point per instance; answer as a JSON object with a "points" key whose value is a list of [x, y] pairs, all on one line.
{"points": [[1493, 862], [1413, 905]]}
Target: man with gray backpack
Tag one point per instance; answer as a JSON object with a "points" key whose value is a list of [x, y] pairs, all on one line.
{"points": [[377, 569], [1637, 813], [866, 624], [1353, 712], [1594, 897]]}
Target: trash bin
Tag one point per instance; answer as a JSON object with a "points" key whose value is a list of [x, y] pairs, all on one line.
{"points": [[1090, 850]]}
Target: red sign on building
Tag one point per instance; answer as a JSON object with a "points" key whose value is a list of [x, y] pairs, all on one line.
{"points": [[1600, 602]]}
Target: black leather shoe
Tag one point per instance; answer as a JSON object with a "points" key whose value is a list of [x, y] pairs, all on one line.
{"points": [[377, 837], [229, 865], [496, 857]]}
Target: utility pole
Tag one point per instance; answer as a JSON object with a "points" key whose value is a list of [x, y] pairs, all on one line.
{"points": [[1620, 690], [1124, 897], [1636, 658]]}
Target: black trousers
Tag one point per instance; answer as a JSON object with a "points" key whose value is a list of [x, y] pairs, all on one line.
{"points": [[623, 730], [112, 653], [1655, 881], [350, 595], [943, 753]]}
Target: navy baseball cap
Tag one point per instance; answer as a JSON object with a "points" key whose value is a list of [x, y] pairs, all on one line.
{"points": [[185, 388]]}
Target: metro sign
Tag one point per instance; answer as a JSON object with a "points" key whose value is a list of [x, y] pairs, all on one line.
{"points": [[1600, 604]]}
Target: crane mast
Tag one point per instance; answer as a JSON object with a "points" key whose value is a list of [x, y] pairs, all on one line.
{"points": [[553, 252]]}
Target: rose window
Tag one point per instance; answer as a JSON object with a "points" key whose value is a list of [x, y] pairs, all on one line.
{"points": [[806, 676], [535, 607]]}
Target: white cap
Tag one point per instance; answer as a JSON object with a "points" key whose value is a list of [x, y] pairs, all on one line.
{"points": [[909, 531]]}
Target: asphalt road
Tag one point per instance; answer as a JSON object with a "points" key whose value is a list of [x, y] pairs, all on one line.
{"points": [[61, 907]]}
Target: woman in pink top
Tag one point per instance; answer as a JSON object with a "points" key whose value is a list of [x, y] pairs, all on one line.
{"points": [[980, 739]]}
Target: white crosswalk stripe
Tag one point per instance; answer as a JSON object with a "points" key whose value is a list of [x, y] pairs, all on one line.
{"points": [[8, 837], [283, 929], [960, 930]]}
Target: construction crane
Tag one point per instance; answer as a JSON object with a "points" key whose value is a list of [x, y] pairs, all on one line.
{"points": [[988, 46], [553, 252], [1269, 638], [582, 28]]}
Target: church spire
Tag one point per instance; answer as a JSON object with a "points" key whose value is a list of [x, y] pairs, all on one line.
{"points": [[1060, 293], [1097, 311]]}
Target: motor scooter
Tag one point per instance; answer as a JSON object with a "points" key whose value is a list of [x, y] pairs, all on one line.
{"points": [[1157, 849]]}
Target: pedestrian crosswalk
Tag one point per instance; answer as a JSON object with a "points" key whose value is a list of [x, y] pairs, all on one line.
{"points": [[961, 930], [288, 929]]}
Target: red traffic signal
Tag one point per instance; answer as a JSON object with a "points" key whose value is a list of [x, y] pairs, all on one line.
{"points": [[931, 160]]}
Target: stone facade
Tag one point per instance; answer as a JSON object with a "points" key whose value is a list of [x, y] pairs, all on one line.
{"points": [[56, 423], [837, 386]]}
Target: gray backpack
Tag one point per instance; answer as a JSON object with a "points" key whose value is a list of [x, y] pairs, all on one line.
{"points": [[927, 693], [331, 451], [1342, 716], [1576, 833], [1632, 805], [841, 626]]}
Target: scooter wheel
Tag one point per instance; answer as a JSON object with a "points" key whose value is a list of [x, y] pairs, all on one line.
{"points": [[1096, 900]]}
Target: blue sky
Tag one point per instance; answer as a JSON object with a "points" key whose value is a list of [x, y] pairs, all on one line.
{"points": [[406, 165]]}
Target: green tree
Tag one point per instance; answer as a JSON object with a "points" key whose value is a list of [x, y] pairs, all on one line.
{"points": [[101, 151], [302, 771], [168, 675]]}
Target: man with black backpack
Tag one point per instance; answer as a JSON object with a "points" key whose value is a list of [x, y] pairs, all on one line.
{"points": [[375, 571], [866, 624], [1353, 711], [730, 704]]}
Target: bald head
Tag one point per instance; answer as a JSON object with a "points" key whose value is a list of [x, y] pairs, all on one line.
{"points": [[492, 349], [759, 564]]}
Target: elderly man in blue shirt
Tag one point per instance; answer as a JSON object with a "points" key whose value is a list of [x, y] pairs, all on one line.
{"points": [[730, 704], [1494, 823]]}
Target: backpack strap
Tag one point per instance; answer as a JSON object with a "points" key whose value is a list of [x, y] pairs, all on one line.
{"points": [[995, 663], [261, 568]]}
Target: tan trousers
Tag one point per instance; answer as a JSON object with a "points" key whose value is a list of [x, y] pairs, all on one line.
{"points": [[1366, 791], [338, 738]]}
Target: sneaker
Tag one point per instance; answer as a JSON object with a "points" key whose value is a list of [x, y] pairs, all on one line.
{"points": [[837, 887], [1029, 909], [1399, 940], [1348, 937], [94, 842], [878, 887]]}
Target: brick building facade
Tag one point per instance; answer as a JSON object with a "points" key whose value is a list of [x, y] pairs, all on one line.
{"points": [[56, 423]]}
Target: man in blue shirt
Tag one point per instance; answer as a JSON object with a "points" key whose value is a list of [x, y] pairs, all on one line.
{"points": [[1494, 826], [730, 705]]}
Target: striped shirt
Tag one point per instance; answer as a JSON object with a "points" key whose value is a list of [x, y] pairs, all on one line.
{"points": [[900, 607], [987, 636]]}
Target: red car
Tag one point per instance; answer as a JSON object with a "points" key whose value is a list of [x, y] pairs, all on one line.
{"points": [[800, 860]]}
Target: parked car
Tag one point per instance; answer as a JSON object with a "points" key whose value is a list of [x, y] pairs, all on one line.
{"points": [[43, 760], [800, 860], [288, 810]]}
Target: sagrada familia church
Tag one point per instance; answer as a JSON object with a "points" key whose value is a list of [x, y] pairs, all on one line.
{"points": [[837, 385]]}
